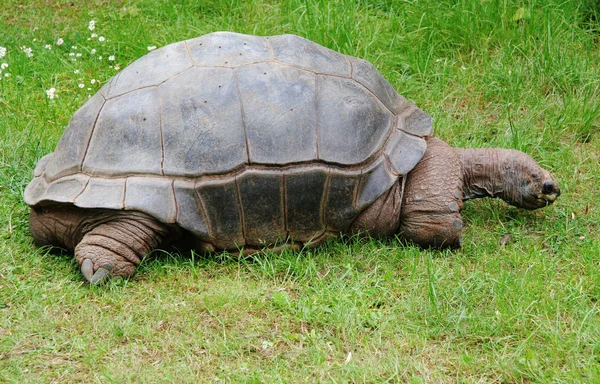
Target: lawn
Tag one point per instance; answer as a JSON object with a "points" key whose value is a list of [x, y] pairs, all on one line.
{"points": [[518, 303]]}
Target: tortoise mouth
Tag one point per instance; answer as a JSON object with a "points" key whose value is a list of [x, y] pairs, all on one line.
{"points": [[537, 201], [541, 201]]}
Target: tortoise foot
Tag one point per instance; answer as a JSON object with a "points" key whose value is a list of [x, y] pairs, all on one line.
{"points": [[98, 277]]}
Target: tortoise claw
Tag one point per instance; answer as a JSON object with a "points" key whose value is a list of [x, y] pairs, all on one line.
{"points": [[87, 269], [102, 275]]}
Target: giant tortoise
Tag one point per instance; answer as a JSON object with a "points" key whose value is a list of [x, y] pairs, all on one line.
{"points": [[236, 142]]}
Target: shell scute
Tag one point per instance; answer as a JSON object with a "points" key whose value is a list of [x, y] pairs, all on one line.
{"points": [[366, 74], [126, 139], [190, 210], [71, 148], [300, 52], [107, 193], [352, 123], [153, 196], [304, 190], [261, 197], [227, 49], [279, 113], [200, 112], [150, 70], [220, 200]]}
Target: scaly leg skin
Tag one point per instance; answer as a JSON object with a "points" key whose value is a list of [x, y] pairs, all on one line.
{"points": [[430, 213], [106, 242], [116, 247]]}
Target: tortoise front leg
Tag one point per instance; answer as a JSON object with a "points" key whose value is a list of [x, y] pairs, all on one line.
{"points": [[430, 213]]}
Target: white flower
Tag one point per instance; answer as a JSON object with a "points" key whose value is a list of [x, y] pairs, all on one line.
{"points": [[71, 54], [101, 39], [76, 71], [81, 85], [117, 67], [111, 58], [93, 35], [2, 52], [3, 66], [93, 51], [60, 41], [27, 51], [48, 46], [78, 55], [34, 40], [92, 25], [93, 81], [99, 57], [7, 75], [51, 93], [152, 47], [73, 47]]}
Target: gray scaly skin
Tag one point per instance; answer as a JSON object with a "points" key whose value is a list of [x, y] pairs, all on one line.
{"points": [[112, 243]]}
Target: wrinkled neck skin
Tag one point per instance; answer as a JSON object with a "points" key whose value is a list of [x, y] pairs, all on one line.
{"points": [[491, 172]]}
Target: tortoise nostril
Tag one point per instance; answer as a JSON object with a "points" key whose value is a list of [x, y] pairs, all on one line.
{"points": [[550, 187]]}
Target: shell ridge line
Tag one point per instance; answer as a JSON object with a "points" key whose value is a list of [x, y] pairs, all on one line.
{"points": [[284, 205], [376, 96], [388, 139], [388, 165], [283, 63], [133, 90], [87, 146], [124, 193], [400, 118], [175, 75], [341, 168], [187, 49], [402, 195], [175, 200], [232, 67], [406, 104], [160, 128], [112, 84], [324, 199], [270, 47], [203, 212], [82, 190], [317, 125], [357, 188], [237, 87], [241, 209], [150, 86], [351, 66], [347, 60]]}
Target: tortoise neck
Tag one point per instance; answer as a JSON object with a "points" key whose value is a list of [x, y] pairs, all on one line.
{"points": [[482, 172]]}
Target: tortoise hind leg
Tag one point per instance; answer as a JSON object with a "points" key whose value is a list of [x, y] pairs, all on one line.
{"points": [[430, 214], [116, 246], [106, 242]]}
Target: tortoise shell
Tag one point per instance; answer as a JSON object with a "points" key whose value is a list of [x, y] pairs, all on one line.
{"points": [[241, 140]]}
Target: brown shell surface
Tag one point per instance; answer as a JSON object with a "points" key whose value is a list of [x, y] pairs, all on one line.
{"points": [[241, 140]]}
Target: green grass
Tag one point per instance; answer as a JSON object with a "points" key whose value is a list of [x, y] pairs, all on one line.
{"points": [[518, 74]]}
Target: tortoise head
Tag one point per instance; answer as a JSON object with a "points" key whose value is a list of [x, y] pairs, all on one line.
{"points": [[526, 184]]}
